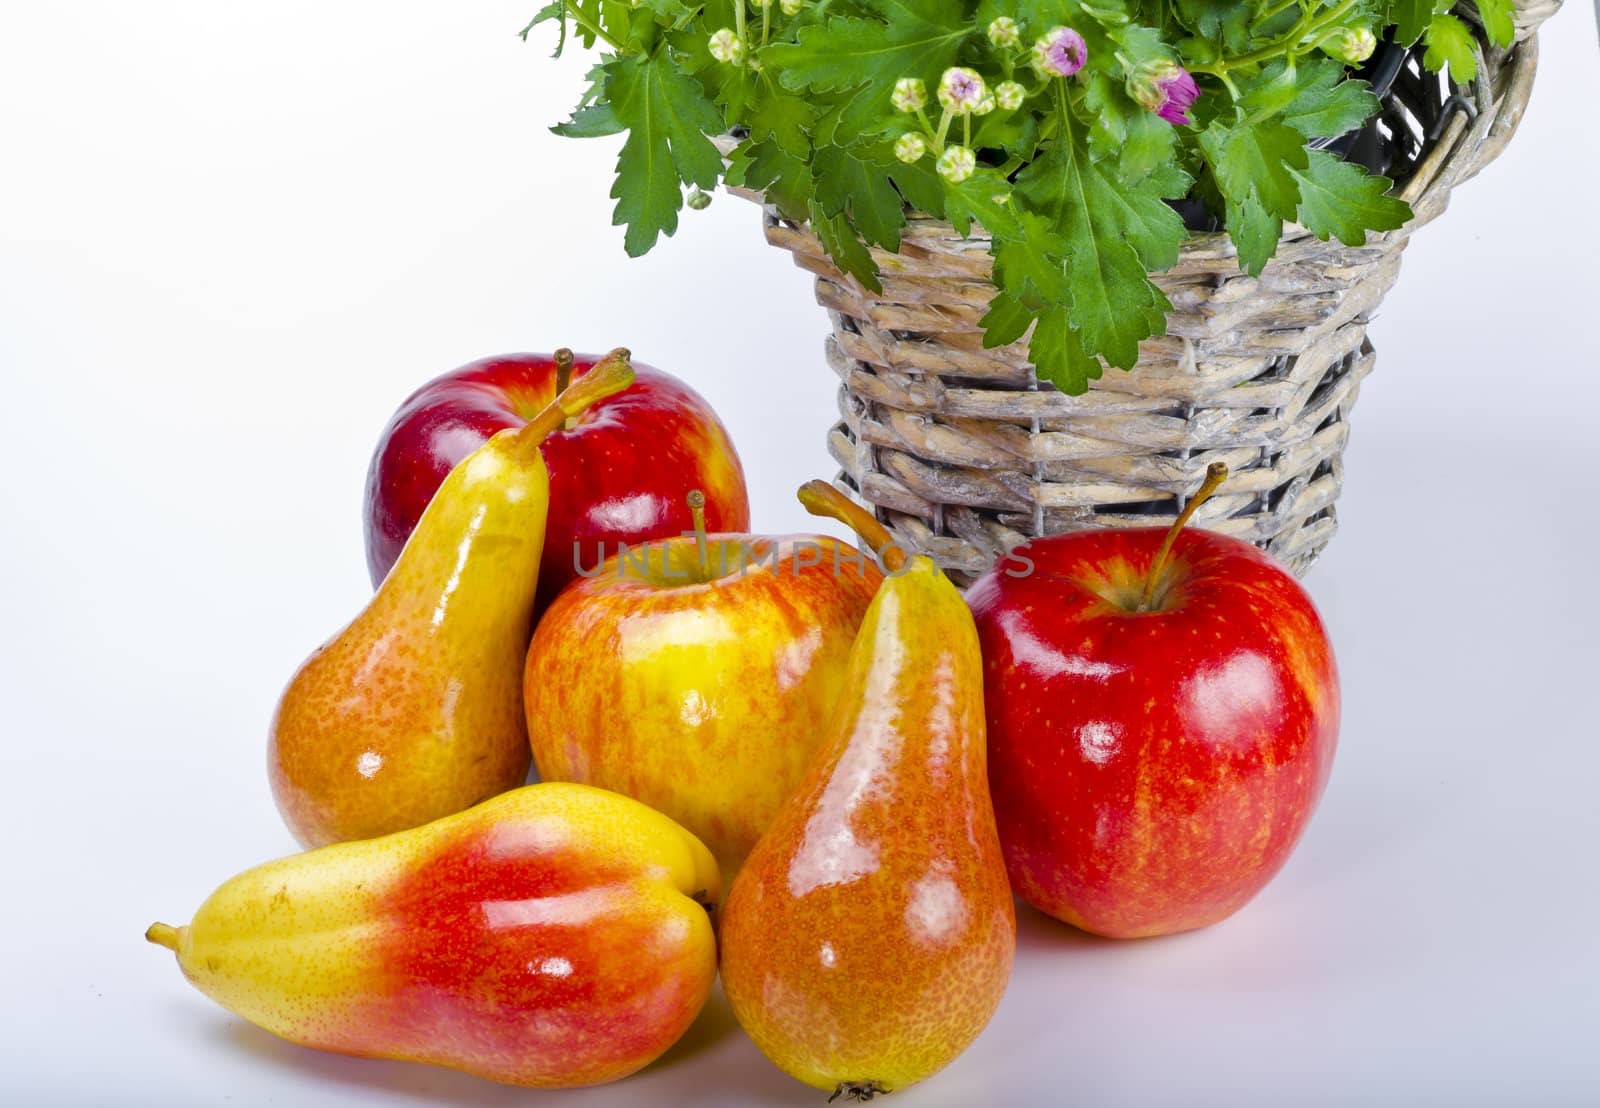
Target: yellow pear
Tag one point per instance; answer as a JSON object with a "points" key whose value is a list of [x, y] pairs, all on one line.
{"points": [[414, 710]]}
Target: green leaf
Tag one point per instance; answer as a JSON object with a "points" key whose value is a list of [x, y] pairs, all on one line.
{"points": [[1032, 265], [1059, 356], [1255, 233], [784, 179], [852, 115], [1327, 104], [1105, 226], [1227, 21], [1451, 45], [667, 117], [921, 38], [786, 120], [1498, 20], [1270, 91], [847, 250], [669, 10], [1257, 160], [852, 183], [982, 198], [590, 122], [1343, 200], [1006, 321], [556, 10], [922, 188], [1411, 19], [590, 10]]}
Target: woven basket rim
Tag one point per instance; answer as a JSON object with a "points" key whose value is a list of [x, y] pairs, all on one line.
{"points": [[959, 449]]}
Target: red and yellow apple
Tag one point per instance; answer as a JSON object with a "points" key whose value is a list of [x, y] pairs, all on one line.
{"points": [[1151, 769], [555, 935], [618, 473], [698, 685]]}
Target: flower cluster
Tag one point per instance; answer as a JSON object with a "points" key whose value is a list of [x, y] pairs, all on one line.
{"points": [[1161, 86]]}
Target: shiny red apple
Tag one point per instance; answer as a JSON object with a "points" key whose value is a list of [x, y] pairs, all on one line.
{"points": [[618, 473], [1151, 769]]}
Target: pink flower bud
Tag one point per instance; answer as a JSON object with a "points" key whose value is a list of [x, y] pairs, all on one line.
{"points": [[1061, 52], [1166, 89], [961, 89]]}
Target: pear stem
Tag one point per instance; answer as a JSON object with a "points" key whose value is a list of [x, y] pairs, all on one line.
{"points": [[563, 368], [822, 499], [163, 934], [1216, 473], [697, 510], [610, 375]]}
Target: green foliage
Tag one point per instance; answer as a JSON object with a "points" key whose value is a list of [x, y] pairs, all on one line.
{"points": [[1450, 46], [667, 117], [903, 38], [1068, 178]]}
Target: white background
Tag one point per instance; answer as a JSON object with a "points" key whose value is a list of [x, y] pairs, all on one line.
{"points": [[233, 237]]}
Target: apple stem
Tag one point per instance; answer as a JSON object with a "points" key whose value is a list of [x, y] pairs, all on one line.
{"points": [[163, 934], [697, 509], [822, 499], [610, 375], [1216, 473], [563, 368]]}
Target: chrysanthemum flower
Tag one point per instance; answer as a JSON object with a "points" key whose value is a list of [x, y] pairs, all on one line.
{"points": [[961, 89], [1060, 52], [1166, 89]]}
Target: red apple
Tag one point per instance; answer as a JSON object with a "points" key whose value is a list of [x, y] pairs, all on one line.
{"points": [[618, 473], [1151, 770]]}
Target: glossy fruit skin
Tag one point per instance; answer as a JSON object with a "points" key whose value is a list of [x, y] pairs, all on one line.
{"points": [[703, 699], [870, 935], [414, 710], [621, 472], [553, 936], [1152, 771]]}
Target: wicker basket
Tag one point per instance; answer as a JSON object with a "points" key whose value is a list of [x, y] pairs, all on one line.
{"points": [[964, 454]]}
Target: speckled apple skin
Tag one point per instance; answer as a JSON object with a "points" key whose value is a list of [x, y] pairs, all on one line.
{"points": [[1152, 771], [870, 934], [704, 700], [556, 935], [621, 472], [414, 711]]}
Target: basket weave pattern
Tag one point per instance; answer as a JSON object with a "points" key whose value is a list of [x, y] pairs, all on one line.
{"points": [[965, 455]]}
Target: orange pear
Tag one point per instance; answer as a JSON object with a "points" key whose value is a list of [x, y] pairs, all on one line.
{"points": [[414, 711], [869, 936]]}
